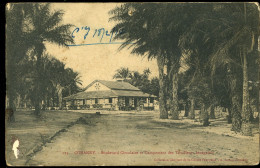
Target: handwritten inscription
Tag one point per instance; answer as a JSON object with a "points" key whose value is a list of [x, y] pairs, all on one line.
{"points": [[99, 34]]}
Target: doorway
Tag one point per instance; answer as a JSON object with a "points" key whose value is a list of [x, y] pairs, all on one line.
{"points": [[126, 101], [135, 102]]}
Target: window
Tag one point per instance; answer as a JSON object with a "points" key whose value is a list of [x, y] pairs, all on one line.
{"points": [[96, 101], [151, 100], [88, 101], [110, 100], [97, 86], [84, 101]]}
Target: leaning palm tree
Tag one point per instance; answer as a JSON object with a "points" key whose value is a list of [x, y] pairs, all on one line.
{"points": [[44, 26]]}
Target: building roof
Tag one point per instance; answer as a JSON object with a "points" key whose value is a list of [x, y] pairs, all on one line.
{"points": [[107, 94], [115, 85], [132, 93], [117, 89], [91, 94]]}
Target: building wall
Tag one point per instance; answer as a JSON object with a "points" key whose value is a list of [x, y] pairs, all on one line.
{"points": [[116, 102]]}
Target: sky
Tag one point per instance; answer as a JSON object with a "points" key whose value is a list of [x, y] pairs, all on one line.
{"points": [[95, 61]]}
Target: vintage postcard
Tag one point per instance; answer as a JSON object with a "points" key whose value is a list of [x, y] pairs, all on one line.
{"points": [[137, 84]]}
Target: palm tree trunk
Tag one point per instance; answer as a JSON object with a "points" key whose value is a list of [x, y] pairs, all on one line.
{"points": [[59, 91], [192, 109], [212, 112], [39, 49], [204, 117], [235, 106], [11, 108], [60, 100], [48, 100], [246, 127], [162, 95], [174, 106], [37, 99], [18, 101], [53, 97], [229, 117], [186, 109]]}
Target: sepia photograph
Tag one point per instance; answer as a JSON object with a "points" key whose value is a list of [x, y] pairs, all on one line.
{"points": [[132, 84]]}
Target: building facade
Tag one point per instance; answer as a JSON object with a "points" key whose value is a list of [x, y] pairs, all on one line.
{"points": [[111, 95]]}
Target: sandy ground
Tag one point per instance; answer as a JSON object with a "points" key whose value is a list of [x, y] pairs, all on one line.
{"points": [[32, 131], [134, 138]]}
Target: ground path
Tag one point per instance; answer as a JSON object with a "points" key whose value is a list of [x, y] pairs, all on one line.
{"points": [[139, 132]]}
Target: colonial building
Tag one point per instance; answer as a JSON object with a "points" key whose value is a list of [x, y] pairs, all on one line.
{"points": [[113, 95]]}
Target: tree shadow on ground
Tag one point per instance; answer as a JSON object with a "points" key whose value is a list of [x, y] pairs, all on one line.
{"points": [[178, 125]]}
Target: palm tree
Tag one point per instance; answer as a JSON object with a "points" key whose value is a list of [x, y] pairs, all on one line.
{"points": [[73, 82], [123, 73], [44, 26], [198, 85], [136, 21], [147, 72], [243, 30], [153, 30], [16, 48], [64, 79], [59, 79], [232, 30]]}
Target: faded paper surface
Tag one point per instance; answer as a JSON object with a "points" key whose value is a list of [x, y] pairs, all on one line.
{"points": [[82, 137]]}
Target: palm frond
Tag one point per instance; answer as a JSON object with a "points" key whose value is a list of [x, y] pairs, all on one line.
{"points": [[59, 35], [53, 20]]}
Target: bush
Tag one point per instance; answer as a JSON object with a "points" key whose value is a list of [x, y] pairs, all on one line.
{"points": [[85, 106], [128, 108], [73, 107], [113, 107], [97, 106]]}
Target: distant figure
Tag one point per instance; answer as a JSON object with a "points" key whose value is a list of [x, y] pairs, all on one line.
{"points": [[15, 148]]}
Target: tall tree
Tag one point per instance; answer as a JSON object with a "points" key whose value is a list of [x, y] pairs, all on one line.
{"points": [[138, 24], [231, 29], [58, 79], [16, 48], [242, 28], [153, 30], [45, 26]]}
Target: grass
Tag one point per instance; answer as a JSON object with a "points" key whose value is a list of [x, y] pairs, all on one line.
{"points": [[34, 132]]}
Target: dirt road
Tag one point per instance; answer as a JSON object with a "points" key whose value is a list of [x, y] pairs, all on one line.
{"points": [[137, 139]]}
